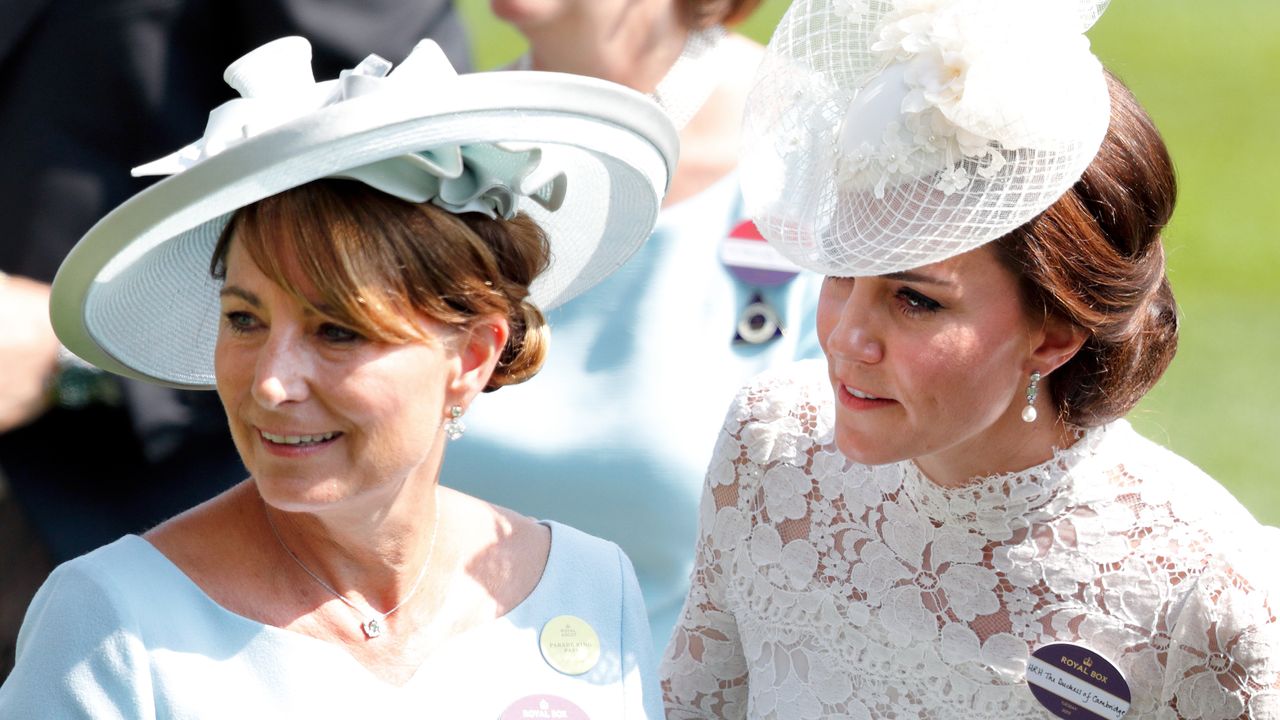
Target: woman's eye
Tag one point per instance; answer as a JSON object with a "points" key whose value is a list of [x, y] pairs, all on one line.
{"points": [[240, 322], [913, 302], [338, 334]]}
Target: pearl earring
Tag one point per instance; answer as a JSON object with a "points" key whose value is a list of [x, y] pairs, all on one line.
{"points": [[1033, 389], [453, 427]]}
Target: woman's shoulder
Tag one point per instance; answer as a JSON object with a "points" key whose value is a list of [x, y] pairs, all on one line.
{"points": [[792, 398], [785, 387], [1158, 476], [577, 554], [106, 591], [86, 624], [1224, 642], [536, 558], [592, 579], [81, 642], [127, 586], [111, 572], [777, 422], [1227, 558]]}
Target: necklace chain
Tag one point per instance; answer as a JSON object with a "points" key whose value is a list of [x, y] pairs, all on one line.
{"points": [[372, 625], [688, 82]]}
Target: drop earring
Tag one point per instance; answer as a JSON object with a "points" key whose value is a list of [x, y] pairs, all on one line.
{"points": [[1033, 389], [453, 427]]}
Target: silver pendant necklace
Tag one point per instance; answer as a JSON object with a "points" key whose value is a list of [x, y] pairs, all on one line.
{"points": [[372, 624], [689, 81]]}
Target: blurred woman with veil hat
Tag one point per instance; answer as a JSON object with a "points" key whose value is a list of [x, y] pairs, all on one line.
{"points": [[950, 517], [351, 264]]}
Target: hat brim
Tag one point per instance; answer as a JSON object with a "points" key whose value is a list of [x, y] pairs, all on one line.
{"points": [[135, 296]]}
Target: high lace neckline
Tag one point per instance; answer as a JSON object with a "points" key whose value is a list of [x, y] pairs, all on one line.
{"points": [[823, 587], [996, 504]]}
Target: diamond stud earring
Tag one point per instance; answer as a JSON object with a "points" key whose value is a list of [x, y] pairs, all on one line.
{"points": [[453, 427]]}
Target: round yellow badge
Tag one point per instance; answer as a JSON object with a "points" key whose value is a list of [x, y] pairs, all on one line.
{"points": [[569, 644]]}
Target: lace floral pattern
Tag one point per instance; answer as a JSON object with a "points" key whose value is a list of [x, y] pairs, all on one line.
{"points": [[827, 589]]}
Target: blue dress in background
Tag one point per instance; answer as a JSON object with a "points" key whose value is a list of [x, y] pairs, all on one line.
{"points": [[614, 434]]}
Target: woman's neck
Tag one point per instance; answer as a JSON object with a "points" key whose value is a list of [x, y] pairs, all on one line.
{"points": [[373, 553], [635, 49], [1011, 446]]}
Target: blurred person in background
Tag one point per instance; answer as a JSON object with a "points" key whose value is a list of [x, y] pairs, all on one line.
{"points": [[643, 364], [88, 89]]}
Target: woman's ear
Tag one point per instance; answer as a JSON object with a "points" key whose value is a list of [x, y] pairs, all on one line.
{"points": [[1057, 342], [479, 349]]}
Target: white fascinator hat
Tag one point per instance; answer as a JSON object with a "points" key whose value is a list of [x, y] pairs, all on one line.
{"points": [[882, 135], [587, 159]]}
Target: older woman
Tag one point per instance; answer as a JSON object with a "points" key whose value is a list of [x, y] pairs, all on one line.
{"points": [[950, 518], [381, 247], [635, 385]]}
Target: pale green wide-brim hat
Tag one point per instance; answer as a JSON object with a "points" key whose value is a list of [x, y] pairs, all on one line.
{"points": [[589, 160]]}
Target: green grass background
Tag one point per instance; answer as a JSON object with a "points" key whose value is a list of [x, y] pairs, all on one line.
{"points": [[1209, 73]]}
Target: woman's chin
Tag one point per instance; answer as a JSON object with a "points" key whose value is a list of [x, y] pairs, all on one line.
{"points": [[298, 494], [866, 450]]}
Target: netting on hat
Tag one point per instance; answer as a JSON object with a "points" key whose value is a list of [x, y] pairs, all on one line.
{"points": [[883, 135]]}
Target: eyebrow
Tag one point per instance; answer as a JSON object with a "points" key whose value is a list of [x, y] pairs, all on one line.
{"points": [[254, 301], [242, 294], [911, 276]]}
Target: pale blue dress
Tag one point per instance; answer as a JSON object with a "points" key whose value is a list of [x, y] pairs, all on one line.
{"points": [[614, 433], [122, 633]]}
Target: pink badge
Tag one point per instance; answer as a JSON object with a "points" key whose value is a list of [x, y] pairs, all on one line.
{"points": [[753, 260], [543, 707]]}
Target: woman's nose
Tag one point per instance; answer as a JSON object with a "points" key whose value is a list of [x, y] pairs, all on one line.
{"points": [[283, 371], [856, 336]]}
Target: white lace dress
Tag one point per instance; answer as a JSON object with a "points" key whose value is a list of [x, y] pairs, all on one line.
{"points": [[828, 589]]}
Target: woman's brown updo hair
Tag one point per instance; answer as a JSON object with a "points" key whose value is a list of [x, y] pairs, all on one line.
{"points": [[705, 13], [375, 261], [1095, 258]]}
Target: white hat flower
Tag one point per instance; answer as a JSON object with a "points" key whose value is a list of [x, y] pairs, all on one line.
{"points": [[948, 123]]}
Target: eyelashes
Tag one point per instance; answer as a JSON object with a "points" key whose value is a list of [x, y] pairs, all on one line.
{"points": [[916, 304], [240, 322], [337, 334], [909, 301]]}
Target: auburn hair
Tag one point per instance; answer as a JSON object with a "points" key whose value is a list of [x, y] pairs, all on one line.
{"points": [[1095, 258], [375, 261], [705, 13]]}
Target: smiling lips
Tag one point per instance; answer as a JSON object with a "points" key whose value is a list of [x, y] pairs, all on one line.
{"points": [[297, 440], [859, 394], [855, 399]]}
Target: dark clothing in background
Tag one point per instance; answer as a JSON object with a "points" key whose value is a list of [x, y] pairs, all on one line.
{"points": [[89, 89]]}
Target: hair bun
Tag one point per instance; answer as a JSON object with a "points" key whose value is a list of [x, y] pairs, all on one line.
{"points": [[526, 347], [1095, 258]]}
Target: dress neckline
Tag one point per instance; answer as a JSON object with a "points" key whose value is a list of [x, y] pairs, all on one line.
{"points": [[515, 617], [996, 504]]}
